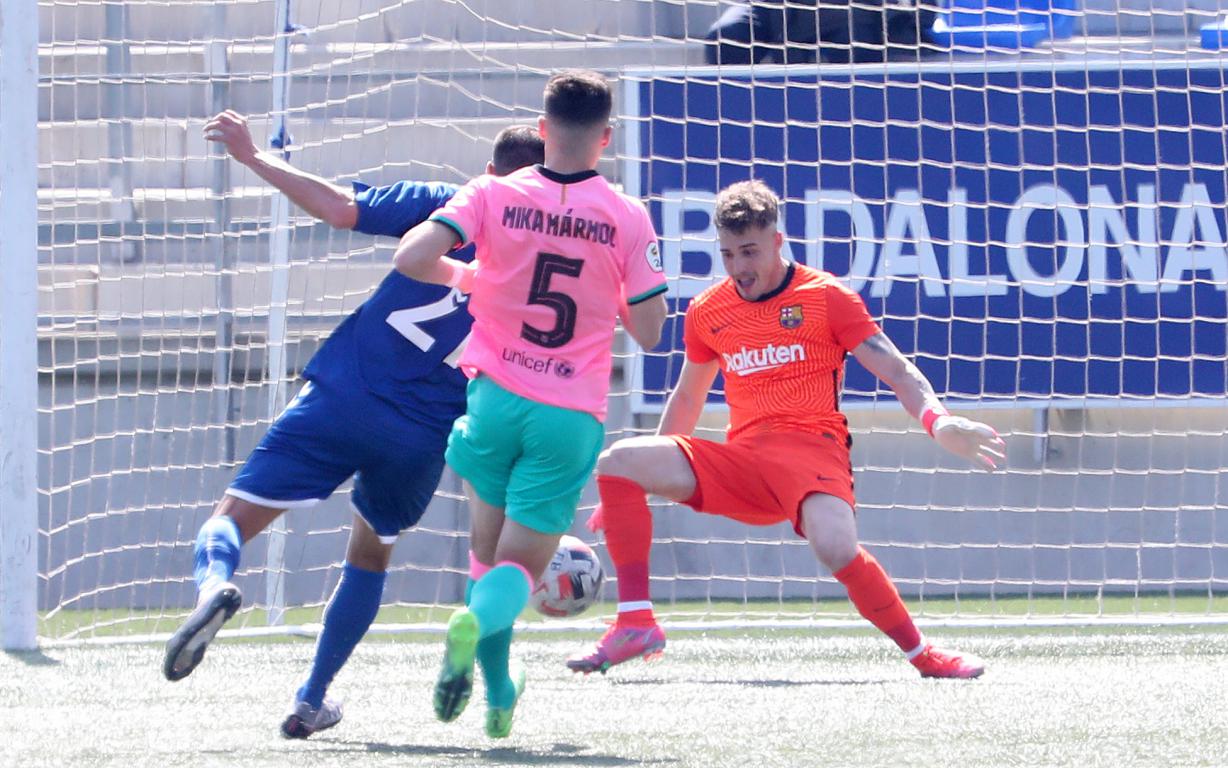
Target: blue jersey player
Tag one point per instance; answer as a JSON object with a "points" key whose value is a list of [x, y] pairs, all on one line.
{"points": [[394, 361]]}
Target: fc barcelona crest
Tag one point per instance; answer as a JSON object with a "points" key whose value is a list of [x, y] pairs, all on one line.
{"points": [[791, 317]]}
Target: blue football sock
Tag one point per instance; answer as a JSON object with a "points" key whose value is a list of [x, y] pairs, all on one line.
{"points": [[347, 617], [499, 597], [217, 551]]}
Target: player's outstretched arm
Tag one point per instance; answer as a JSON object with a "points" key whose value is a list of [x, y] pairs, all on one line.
{"points": [[420, 256], [977, 442], [645, 320], [322, 199], [686, 402]]}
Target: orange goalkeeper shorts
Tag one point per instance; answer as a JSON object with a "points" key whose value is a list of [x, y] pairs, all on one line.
{"points": [[762, 479]]}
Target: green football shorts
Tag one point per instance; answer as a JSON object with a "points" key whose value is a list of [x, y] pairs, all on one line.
{"points": [[529, 458]]}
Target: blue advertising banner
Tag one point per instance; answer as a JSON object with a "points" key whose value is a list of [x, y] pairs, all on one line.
{"points": [[1052, 236]]}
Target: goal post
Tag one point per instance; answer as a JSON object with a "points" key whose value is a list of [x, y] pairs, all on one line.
{"points": [[1038, 218], [19, 528], [279, 294]]}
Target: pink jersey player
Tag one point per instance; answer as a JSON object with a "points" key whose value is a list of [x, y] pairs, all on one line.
{"points": [[558, 255], [561, 256]]}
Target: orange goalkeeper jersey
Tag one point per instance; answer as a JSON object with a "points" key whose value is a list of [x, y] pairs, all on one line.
{"points": [[783, 354]]}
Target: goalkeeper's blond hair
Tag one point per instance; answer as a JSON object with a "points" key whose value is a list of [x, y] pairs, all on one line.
{"points": [[746, 205]]}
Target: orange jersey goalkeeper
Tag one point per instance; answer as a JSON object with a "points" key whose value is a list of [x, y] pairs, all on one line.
{"points": [[779, 332], [782, 355]]}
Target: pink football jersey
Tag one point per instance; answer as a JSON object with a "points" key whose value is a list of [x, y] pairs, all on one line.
{"points": [[558, 254]]}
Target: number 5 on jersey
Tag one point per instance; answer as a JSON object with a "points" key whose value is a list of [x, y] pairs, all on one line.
{"points": [[548, 265]]}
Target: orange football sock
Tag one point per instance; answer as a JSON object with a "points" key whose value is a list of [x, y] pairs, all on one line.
{"points": [[628, 537], [876, 598]]}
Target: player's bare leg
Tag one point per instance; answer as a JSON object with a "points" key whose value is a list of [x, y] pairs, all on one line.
{"points": [[454, 685], [831, 529], [528, 552], [519, 553], [348, 615], [626, 472], [234, 522], [504, 685], [485, 526], [483, 627]]}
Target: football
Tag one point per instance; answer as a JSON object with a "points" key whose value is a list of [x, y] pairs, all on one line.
{"points": [[571, 581]]}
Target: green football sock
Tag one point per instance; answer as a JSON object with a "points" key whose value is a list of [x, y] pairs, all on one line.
{"points": [[499, 597], [493, 654]]}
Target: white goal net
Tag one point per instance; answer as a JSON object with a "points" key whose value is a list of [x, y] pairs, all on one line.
{"points": [[1031, 203]]}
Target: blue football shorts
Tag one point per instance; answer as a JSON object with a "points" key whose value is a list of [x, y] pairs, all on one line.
{"points": [[324, 436]]}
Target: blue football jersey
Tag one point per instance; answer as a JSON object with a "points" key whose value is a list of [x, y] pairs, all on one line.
{"points": [[404, 341]]}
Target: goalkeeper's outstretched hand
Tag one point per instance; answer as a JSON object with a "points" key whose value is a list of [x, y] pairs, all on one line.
{"points": [[976, 442], [230, 129]]}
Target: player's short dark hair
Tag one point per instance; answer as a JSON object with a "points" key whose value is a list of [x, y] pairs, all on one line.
{"points": [[516, 147], [578, 98], [746, 205]]}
